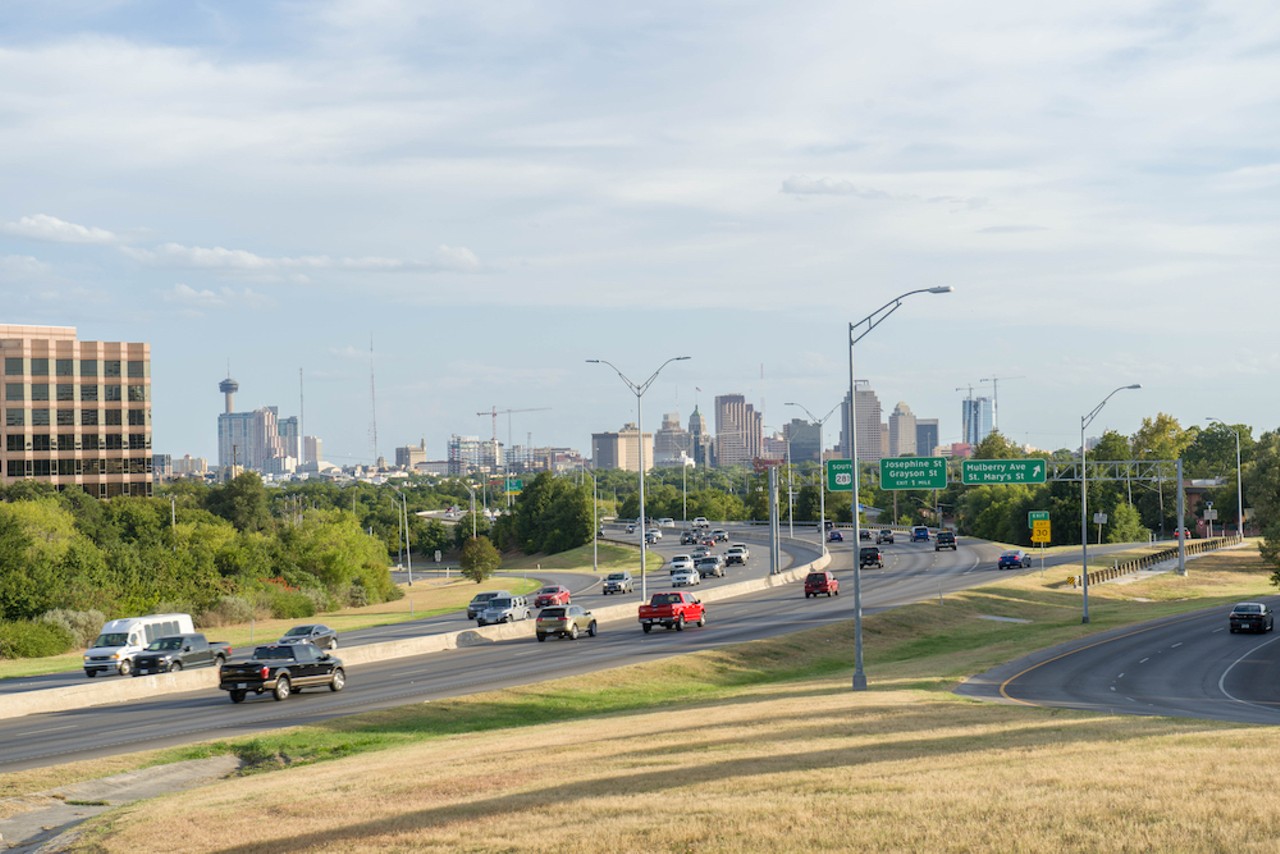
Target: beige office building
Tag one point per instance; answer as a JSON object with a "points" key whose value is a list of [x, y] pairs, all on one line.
{"points": [[76, 412]]}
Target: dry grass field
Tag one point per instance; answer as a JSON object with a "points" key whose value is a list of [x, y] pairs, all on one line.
{"points": [[762, 746]]}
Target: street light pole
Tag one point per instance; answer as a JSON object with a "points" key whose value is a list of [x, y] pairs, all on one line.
{"points": [[1239, 479], [595, 522], [822, 483], [1085, 421], [638, 391], [871, 321]]}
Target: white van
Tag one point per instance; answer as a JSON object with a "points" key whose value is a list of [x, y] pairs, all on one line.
{"points": [[120, 640]]}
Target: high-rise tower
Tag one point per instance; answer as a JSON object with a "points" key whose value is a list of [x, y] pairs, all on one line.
{"points": [[229, 387]]}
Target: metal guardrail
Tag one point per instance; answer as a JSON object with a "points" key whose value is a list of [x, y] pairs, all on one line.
{"points": [[1119, 569]]}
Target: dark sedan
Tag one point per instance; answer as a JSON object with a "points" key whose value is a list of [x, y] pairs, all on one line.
{"points": [[322, 636], [1014, 559], [1252, 617]]}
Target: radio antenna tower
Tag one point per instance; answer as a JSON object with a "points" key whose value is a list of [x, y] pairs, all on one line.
{"points": [[373, 402]]}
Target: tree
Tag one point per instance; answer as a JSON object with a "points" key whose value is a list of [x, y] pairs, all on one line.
{"points": [[242, 502], [479, 559], [1126, 525]]}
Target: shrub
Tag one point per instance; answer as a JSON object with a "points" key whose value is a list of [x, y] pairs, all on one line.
{"points": [[320, 599], [32, 639], [292, 606], [81, 626], [227, 611]]}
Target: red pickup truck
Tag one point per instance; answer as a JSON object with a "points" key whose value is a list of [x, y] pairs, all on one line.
{"points": [[672, 610]]}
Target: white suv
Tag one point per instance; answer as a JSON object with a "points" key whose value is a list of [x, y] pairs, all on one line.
{"points": [[681, 562]]}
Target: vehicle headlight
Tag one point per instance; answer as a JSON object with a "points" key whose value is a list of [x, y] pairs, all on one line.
{"points": [[86, 658]]}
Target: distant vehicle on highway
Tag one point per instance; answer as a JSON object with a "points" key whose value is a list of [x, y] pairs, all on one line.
{"points": [[666, 522], [481, 601], [864, 534], [720, 535], [176, 652], [685, 577], [320, 635], [681, 562], [566, 621], [710, 565], [945, 540], [735, 555], [701, 522], [552, 594], [1014, 559], [1252, 617], [821, 581], [121, 639], [688, 538], [834, 536], [920, 534], [617, 582], [651, 537], [282, 669], [870, 556], [672, 610], [504, 609], [885, 536]]}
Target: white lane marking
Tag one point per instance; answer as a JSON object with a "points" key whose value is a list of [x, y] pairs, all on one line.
{"points": [[1121, 676], [50, 729], [1215, 631], [1176, 645], [1112, 688], [1145, 660], [1222, 680]]}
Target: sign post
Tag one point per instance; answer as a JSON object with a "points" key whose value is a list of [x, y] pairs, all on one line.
{"points": [[913, 473]]}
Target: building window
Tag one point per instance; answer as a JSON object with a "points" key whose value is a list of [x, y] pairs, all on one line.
{"points": [[111, 392], [137, 417], [14, 366], [66, 417], [67, 442], [89, 417], [89, 391], [39, 391], [137, 393], [88, 367], [69, 467], [41, 468], [15, 442], [15, 391], [39, 367], [19, 468], [65, 367], [111, 367], [15, 417], [138, 441], [115, 442], [40, 442], [91, 442], [66, 391], [137, 368], [113, 418], [40, 417], [115, 466]]}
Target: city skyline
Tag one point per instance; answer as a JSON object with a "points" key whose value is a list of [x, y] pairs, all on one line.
{"points": [[449, 209]]}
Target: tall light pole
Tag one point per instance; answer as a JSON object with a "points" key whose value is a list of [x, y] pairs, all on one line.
{"points": [[595, 522], [871, 321], [1085, 421], [638, 391], [1239, 479], [822, 482]]}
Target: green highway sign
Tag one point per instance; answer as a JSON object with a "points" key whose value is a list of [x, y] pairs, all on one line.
{"points": [[514, 485], [1034, 516], [913, 473], [984, 472], [840, 475]]}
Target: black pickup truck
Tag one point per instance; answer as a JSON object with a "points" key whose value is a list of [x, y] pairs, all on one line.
{"points": [[174, 652], [282, 669]]}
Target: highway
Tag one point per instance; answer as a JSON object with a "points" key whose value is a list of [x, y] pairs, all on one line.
{"points": [[913, 571], [1185, 666]]}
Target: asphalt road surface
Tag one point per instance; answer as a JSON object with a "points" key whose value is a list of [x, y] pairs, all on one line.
{"points": [[912, 571], [1185, 666]]}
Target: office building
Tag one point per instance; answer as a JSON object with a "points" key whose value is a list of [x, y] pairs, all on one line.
{"points": [[467, 454], [902, 431], [76, 412], [927, 436], [871, 445], [977, 419], [700, 442], [621, 450], [409, 456], [739, 431], [804, 438], [671, 442]]}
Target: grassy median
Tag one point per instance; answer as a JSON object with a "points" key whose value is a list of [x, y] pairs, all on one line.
{"points": [[759, 746]]}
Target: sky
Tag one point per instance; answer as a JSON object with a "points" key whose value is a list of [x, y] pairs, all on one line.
{"points": [[408, 213]]}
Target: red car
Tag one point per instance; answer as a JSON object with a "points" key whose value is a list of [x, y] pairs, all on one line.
{"points": [[553, 594], [819, 582]]}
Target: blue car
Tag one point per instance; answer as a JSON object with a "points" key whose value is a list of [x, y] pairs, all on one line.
{"points": [[835, 537], [1014, 559]]}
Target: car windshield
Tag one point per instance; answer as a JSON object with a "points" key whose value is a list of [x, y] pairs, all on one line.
{"points": [[278, 653], [816, 576], [615, 576], [165, 644], [506, 603], [112, 639], [666, 599], [552, 613], [1248, 609], [298, 632]]}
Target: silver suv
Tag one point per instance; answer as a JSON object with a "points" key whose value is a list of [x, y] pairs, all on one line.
{"points": [[617, 582], [481, 601], [504, 609]]}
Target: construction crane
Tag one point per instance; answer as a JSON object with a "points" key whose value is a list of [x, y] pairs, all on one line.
{"points": [[494, 412], [995, 396]]}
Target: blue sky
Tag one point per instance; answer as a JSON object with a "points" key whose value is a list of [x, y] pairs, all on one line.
{"points": [[493, 192]]}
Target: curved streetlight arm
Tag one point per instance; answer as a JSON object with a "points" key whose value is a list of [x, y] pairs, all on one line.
{"points": [[878, 316], [640, 389], [814, 418], [1086, 420]]}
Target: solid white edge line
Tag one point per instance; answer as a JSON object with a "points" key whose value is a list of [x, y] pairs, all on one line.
{"points": [[1222, 680]]}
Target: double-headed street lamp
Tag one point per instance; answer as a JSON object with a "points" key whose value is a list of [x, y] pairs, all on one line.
{"points": [[822, 484], [638, 391], [1239, 478], [871, 321], [1085, 421]]}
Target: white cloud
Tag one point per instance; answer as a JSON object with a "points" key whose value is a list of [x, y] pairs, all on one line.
{"points": [[22, 265], [54, 230], [445, 258], [193, 299]]}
